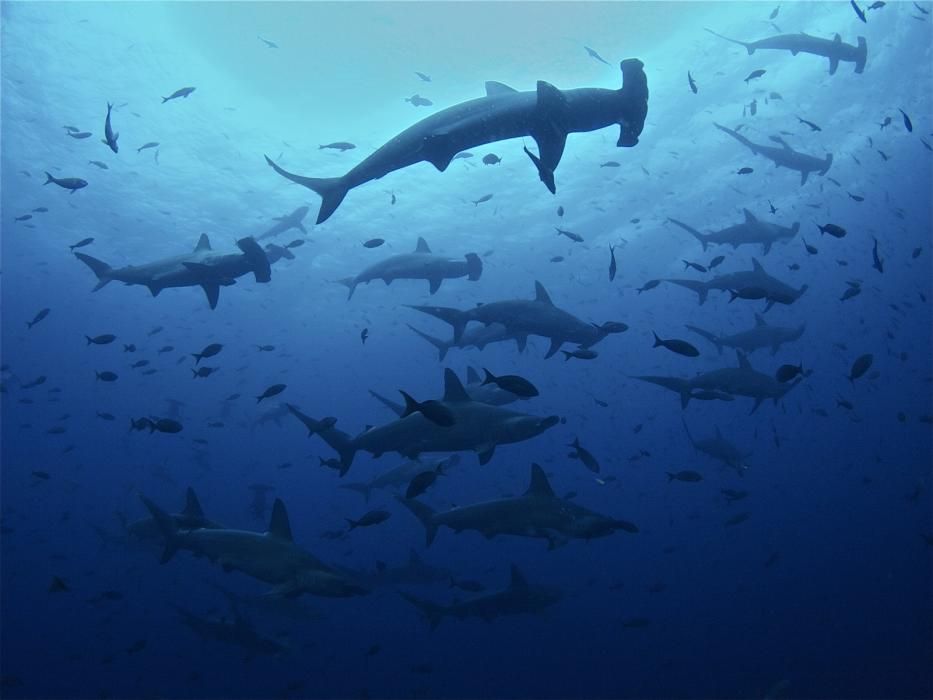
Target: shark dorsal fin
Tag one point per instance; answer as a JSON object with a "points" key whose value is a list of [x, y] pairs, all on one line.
{"points": [[743, 360], [541, 294], [837, 39], [494, 88], [204, 243], [278, 524], [422, 246], [756, 266], [453, 388], [518, 579], [749, 217], [192, 505], [539, 485], [472, 376]]}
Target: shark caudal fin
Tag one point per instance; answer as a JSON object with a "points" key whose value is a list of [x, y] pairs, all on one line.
{"points": [[331, 189], [167, 528], [98, 267], [350, 284], [441, 345], [338, 440], [256, 256], [711, 337], [861, 55], [748, 46], [474, 266], [455, 317], [693, 232], [701, 288], [432, 611], [425, 514]]}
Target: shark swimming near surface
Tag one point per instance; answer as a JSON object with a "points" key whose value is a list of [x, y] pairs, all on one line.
{"points": [[203, 267], [835, 49], [546, 114], [750, 231]]}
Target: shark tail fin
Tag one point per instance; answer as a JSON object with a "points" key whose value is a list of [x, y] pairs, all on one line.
{"points": [[442, 346], [700, 288], [711, 337], [167, 528], [861, 55], [454, 317], [98, 267], [474, 266], [331, 189], [350, 284], [432, 611], [693, 232], [748, 47], [425, 514]]}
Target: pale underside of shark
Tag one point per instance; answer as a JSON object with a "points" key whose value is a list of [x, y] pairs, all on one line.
{"points": [[546, 114]]}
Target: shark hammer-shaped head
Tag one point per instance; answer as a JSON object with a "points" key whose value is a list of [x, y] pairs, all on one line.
{"points": [[634, 102]]}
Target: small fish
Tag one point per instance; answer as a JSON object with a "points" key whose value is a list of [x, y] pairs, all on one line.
{"points": [[208, 351], [40, 210], [422, 482], [364, 335], [99, 164], [69, 183], [150, 144], [24, 217], [164, 425], [511, 383], [580, 354], [884, 156], [612, 263], [681, 347], [716, 262], [833, 230], [423, 76], [110, 138], [417, 100], [157, 329], [560, 211], [696, 266], [811, 249], [463, 155], [877, 262], [787, 372], [755, 74], [104, 339], [203, 372], [269, 44], [584, 455], [339, 146], [737, 519], [297, 243], [434, 411], [373, 517], [857, 198], [858, 11], [182, 92], [692, 83], [266, 348], [650, 284], [853, 291], [491, 159], [916, 253], [374, 243], [106, 376], [80, 134], [745, 171], [886, 122], [273, 390], [686, 475], [907, 123], [774, 12], [484, 198], [861, 365], [575, 237], [557, 259], [38, 317], [106, 416], [876, 5], [165, 349], [813, 127], [595, 55], [129, 348], [58, 585], [610, 164]]}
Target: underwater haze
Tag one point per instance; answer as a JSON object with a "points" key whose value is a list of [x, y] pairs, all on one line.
{"points": [[467, 350]]}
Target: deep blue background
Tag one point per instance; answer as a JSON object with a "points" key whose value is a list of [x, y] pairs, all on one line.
{"points": [[841, 501]]}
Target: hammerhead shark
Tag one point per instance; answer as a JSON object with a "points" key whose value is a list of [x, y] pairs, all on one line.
{"points": [[200, 268], [538, 513], [520, 597], [761, 335], [752, 230], [522, 317], [476, 426], [285, 223], [720, 448], [421, 264], [546, 114], [835, 50], [785, 155], [475, 337], [773, 290]]}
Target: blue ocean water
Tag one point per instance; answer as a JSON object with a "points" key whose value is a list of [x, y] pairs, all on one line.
{"points": [[805, 572]]}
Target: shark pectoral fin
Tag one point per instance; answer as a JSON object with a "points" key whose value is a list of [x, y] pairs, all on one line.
{"points": [[804, 174], [766, 248], [755, 407], [212, 290], [554, 347], [495, 88], [546, 175], [435, 284], [437, 151], [154, 289], [485, 452], [522, 342], [833, 64]]}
